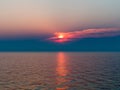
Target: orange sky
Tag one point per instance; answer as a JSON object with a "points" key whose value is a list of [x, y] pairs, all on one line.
{"points": [[49, 16]]}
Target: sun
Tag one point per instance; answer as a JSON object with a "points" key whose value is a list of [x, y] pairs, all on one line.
{"points": [[60, 36]]}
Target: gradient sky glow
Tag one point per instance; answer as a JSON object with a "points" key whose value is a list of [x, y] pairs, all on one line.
{"points": [[49, 16]]}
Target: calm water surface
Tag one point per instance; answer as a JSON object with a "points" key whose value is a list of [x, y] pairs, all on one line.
{"points": [[60, 71]]}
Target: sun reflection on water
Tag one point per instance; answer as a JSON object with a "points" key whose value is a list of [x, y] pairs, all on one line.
{"points": [[61, 71]]}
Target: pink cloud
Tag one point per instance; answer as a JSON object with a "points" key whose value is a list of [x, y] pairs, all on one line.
{"points": [[102, 32]]}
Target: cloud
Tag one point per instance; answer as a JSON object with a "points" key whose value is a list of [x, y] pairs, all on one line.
{"points": [[87, 33]]}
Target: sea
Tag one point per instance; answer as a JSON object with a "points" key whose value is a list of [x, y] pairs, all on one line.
{"points": [[60, 71]]}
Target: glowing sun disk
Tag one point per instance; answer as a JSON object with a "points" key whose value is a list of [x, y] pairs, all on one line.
{"points": [[60, 36]]}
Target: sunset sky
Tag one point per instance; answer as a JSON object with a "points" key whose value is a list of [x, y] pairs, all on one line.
{"points": [[78, 18]]}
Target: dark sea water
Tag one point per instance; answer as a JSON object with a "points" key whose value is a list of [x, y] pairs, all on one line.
{"points": [[60, 71]]}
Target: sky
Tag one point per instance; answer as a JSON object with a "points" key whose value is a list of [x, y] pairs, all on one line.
{"points": [[75, 19], [37, 16]]}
